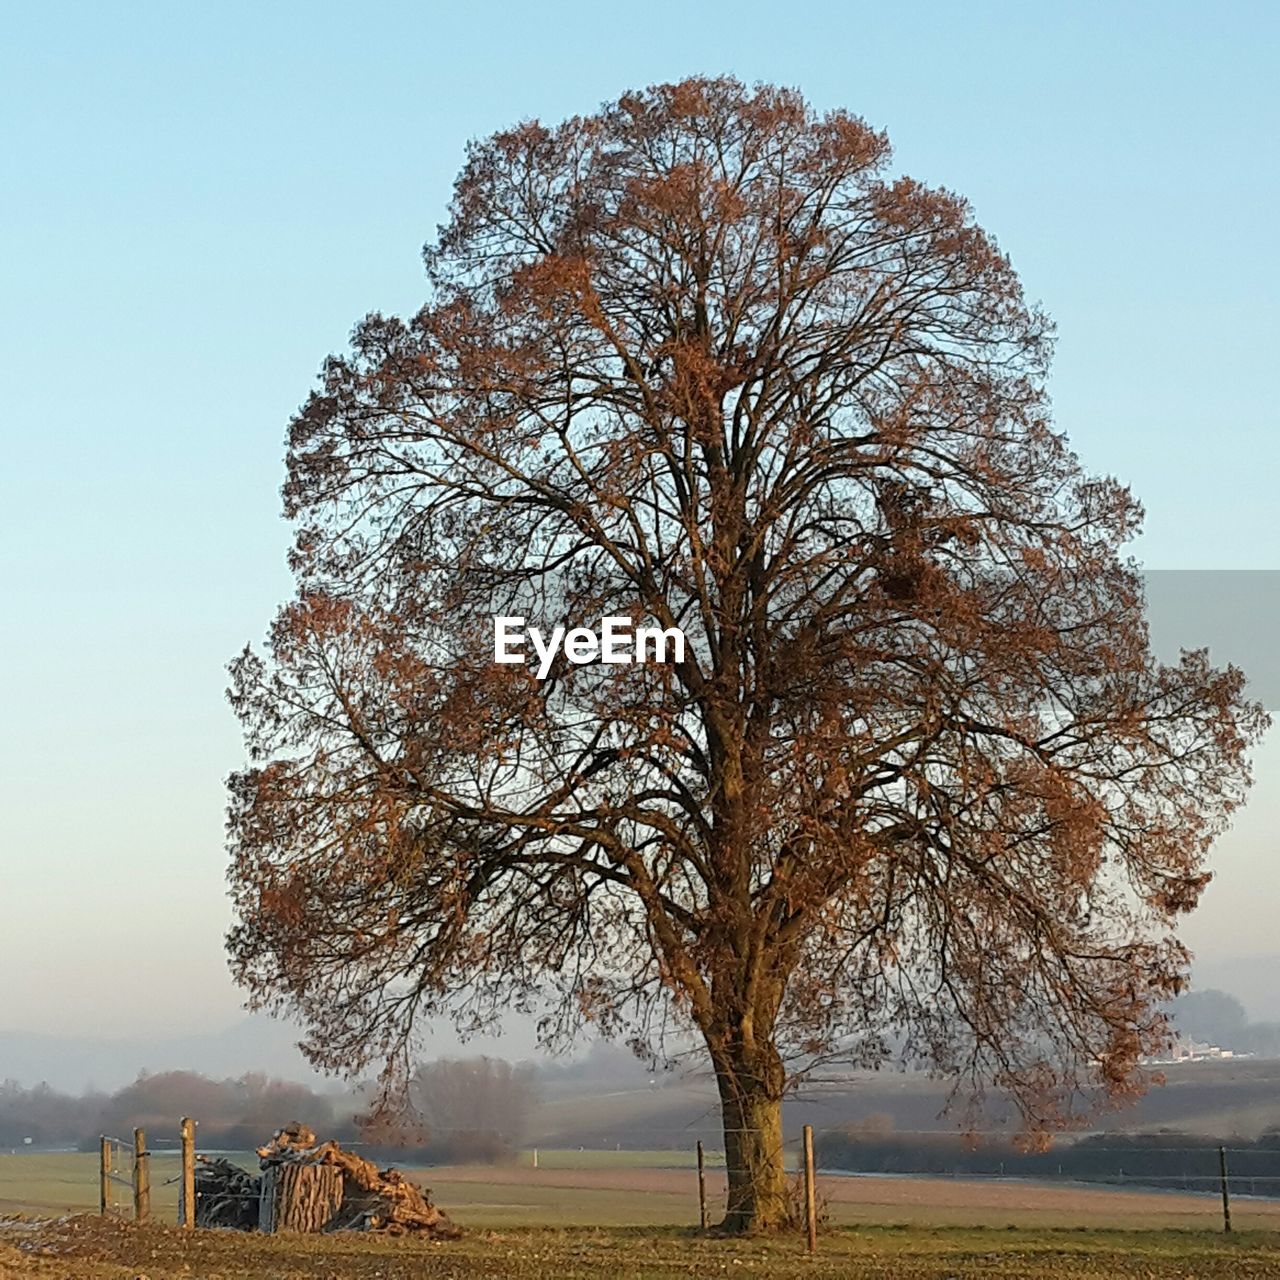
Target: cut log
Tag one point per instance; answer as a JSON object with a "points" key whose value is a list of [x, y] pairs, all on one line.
{"points": [[300, 1197]]}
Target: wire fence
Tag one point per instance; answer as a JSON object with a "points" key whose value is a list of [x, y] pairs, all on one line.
{"points": [[115, 1171], [856, 1178]]}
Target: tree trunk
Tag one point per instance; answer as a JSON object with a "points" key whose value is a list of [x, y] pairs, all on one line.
{"points": [[751, 1104], [299, 1197]]}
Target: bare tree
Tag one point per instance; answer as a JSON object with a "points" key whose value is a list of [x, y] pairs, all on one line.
{"points": [[919, 783], [474, 1108]]}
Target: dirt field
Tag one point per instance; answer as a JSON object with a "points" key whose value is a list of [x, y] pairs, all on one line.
{"points": [[92, 1248]]}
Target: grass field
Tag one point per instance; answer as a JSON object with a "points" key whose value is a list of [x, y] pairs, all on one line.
{"points": [[641, 1189], [631, 1215]]}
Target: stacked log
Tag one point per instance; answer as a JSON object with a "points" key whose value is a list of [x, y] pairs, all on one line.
{"points": [[299, 1197], [317, 1186], [226, 1195]]}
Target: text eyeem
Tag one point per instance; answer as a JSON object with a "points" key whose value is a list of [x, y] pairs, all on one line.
{"points": [[617, 643]]}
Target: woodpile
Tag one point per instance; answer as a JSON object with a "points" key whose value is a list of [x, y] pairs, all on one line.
{"points": [[317, 1186], [313, 1186], [300, 1197], [226, 1195]]}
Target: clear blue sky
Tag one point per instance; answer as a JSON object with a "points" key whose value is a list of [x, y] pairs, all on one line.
{"points": [[197, 202]]}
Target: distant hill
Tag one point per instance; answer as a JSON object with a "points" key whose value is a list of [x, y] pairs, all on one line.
{"points": [[1219, 1098]]}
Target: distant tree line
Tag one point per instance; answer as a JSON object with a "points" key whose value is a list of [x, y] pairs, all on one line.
{"points": [[1168, 1160], [473, 1109], [1214, 1017], [45, 1116]]}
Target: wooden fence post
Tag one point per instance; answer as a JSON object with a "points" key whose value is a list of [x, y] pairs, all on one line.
{"points": [[702, 1189], [810, 1198], [141, 1177], [1226, 1195], [104, 1175], [188, 1192]]}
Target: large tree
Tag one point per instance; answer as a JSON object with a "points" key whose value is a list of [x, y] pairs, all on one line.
{"points": [[918, 786]]}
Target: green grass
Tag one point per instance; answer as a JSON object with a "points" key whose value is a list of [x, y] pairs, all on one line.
{"points": [[49, 1185], [573, 1189], [68, 1182]]}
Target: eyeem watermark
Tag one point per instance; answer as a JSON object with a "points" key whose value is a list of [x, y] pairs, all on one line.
{"points": [[617, 643]]}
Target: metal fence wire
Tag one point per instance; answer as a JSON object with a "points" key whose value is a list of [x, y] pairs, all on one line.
{"points": [[848, 1175], [115, 1170]]}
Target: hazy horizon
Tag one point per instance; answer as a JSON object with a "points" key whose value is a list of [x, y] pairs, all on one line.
{"points": [[1235, 614]]}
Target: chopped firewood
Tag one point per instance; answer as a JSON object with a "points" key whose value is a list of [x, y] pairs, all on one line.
{"points": [[226, 1195], [293, 1137], [300, 1191]]}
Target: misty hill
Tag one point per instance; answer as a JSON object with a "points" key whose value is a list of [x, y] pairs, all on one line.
{"points": [[1215, 1017], [604, 1101], [607, 1095], [1218, 1098], [74, 1064]]}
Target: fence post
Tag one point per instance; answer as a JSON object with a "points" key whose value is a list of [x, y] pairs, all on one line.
{"points": [[702, 1188], [104, 1175], [141, 1177], [188, 1172], [1226, 1195], [810, 1200]]}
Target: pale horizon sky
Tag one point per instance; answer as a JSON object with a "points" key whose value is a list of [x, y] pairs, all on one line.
{"points": [[197, 204]]}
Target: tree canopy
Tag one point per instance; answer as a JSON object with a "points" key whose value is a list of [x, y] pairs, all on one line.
{"points": [[919, 786]]}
